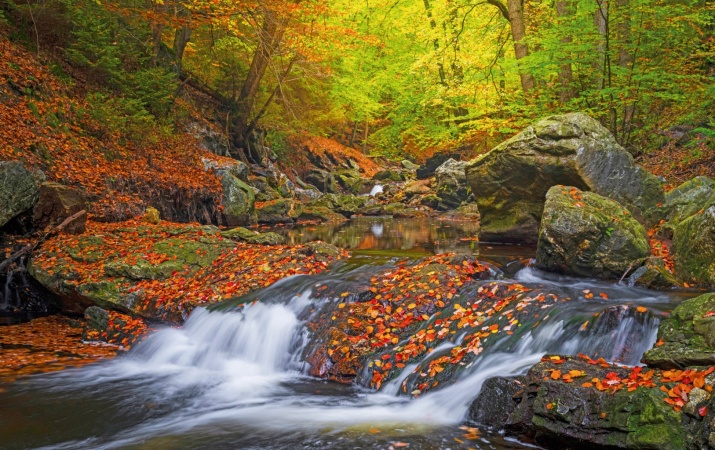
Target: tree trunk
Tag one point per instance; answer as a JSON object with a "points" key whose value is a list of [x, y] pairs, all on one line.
{"points": [[182, 36], [600, 20], [435, 43], [269, 36], [518, 33], [625, 61], [564, 9]]}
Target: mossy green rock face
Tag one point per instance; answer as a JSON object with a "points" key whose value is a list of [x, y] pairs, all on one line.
{"points": [[238, 200], [510, 181], [585, 234], [18, 190], [693, 248], [252, 237], [653, 275], [347, 205], [689, 198], [279, 211], [688, 336]]}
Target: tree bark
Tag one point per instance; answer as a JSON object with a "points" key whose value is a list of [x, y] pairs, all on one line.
{"points": [[269, 36], [521, 49], [182, 36], [564, 10]]}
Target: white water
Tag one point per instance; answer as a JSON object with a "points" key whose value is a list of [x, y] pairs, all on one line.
{"points": [[377, 189]]}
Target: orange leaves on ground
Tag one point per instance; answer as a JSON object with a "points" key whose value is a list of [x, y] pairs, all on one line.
{"points": [[46, 344], [676, 384]]}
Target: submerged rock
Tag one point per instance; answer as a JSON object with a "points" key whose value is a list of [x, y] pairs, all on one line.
{"points": [[18, 190], [687, 335], [585, 234], [510, 181]]}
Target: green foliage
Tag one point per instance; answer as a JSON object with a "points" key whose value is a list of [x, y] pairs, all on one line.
{"points": [[278, 142], [118, 116], [153, 87]]}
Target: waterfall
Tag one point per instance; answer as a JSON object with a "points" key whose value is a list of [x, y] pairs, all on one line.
{"points": [[377, 189]]}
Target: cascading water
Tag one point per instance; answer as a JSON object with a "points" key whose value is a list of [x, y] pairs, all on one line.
{"points": [[236, 377], [377, 189]]}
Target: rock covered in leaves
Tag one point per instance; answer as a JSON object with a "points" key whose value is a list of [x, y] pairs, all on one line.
{"points": [[162, 272], [583, 233], [112, 327], [378, 312], [18, 190], [511, 181], [241, 234], [56, 203], [687, 337], [585, 403]]}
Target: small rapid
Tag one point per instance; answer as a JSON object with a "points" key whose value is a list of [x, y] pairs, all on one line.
{"points": [[236, 376]]}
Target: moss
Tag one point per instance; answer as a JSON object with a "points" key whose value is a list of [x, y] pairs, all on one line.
{"points": [[89, 249]]}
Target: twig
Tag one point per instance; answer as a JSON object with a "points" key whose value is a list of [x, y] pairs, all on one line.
{"points": [[26, 250]]}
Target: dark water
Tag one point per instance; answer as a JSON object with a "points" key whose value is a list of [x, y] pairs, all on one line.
{"points": [[236, 378]]}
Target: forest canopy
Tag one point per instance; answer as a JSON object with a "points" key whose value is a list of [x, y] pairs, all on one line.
{"points": [[393, 77]]}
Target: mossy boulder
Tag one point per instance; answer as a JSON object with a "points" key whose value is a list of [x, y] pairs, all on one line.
{"points": [[18, 190], [510, 182], [653, 274], [283, 210], [151, 216], [688, 336], [320, 213], [693, 248], [390, 175], [451, 184], [253, 237], [344, 204], [56, 203], [585, 234], [237, 201]]}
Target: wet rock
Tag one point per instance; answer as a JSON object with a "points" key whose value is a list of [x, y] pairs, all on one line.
{"points": [[322, 251], [585, 234], [323, 180], [241, 234], [278, 211], [653, 275], [510, 181], [452, 187], [427, 169], [111, 327], [18, 190], [151, 215], [568, 415], [344, 204], [353, 182], [496, 401], [468, 212], [417, 187], [688, 336], [320, 213], [56, 203], [237, 202], [693, 248]]}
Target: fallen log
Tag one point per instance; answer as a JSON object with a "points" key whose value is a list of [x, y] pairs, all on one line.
{"points": [[28, 249]]}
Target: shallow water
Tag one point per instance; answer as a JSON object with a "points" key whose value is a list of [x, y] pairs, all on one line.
{"points": [[235, 377]]}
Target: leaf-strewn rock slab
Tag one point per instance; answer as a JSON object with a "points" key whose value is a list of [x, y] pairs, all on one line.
{"points": [[163, 271]]}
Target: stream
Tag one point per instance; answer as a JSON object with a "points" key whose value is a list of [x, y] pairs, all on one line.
{"points": [[236, 376]]}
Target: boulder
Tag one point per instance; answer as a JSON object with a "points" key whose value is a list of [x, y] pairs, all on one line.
{"points": [[56, 203], [495, 404], [417, 187], [389, 175], [688, 336], [427, 169], [511, 181], [693, 248], [322, 251], [585, 234], [465, 213], [320, 213], [241, 234], [653, 274], [690, 197], [151, 216], [452, 187], [237, 201], [353, 182], [409, 165], [323, 180], [278, 211], [18, 190], [347, 205], [237, 168]]}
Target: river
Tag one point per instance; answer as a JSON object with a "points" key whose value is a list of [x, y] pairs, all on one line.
{"points": [[235, 377]]}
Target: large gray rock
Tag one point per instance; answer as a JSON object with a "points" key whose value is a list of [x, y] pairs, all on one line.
{"points": [[237, 202], [690, 197], [693, 248], [56, 203], [452, 187], [283, 210], [510, 181], [323, 180], [18, 190], [585, 234]]}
